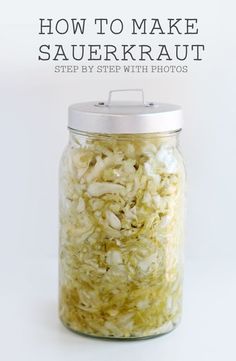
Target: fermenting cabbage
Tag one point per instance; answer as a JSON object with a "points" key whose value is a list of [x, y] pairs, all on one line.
{"points": [[121, 219]]}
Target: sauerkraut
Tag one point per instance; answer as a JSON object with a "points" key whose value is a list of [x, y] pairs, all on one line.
{"points": [[121, 218]]}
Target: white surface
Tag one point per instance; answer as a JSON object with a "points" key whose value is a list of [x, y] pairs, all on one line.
{"points": [[30, 146]]}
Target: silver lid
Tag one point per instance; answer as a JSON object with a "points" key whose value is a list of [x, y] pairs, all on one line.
{"points": [[125, 117]]}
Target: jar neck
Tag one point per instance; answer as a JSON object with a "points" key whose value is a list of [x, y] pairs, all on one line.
{"points": [[170, 138]]}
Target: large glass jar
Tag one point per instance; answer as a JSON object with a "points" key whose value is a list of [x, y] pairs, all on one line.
{"points": [[121, 221]]}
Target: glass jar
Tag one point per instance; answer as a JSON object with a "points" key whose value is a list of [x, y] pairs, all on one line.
{"points": [[121, 220]]}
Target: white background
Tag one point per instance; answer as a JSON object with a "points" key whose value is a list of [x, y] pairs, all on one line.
{"points": [[33, 134]]}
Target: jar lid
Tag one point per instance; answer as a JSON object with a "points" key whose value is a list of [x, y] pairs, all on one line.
{"points": [[125, 117]]}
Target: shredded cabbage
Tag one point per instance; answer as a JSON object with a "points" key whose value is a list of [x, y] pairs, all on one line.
{"points": [[121, 205]]}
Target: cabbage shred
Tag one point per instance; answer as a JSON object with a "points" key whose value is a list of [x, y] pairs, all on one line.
{"points": [[121, 219]]}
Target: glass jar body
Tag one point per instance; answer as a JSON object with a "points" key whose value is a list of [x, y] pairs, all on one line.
{"points": [[121, 234]]}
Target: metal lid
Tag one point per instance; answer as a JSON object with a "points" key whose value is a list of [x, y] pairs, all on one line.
{"points": [[125, 117]]}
